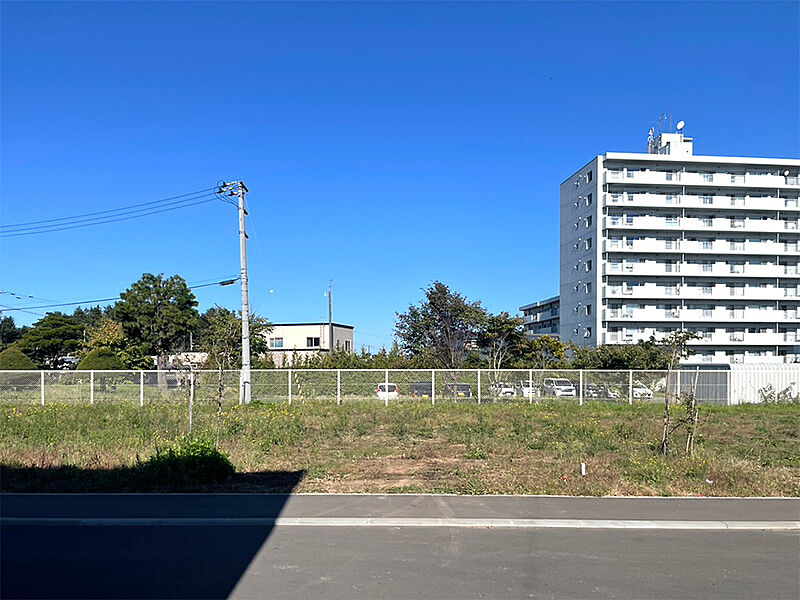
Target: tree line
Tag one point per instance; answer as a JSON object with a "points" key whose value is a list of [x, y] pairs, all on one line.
{"points": [[158, 316]]}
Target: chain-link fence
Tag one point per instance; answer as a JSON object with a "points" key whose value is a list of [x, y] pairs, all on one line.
{"points": [[393, 385]]}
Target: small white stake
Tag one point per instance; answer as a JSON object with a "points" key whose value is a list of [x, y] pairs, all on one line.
{"points": [[583, 469]]}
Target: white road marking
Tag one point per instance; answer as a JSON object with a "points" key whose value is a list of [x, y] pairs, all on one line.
{"points": [[410, 522]]}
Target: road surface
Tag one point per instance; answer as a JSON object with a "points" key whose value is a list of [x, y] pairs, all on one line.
{"points": [[400, 546]]}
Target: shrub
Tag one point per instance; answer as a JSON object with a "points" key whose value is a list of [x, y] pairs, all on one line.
{"points": [[190, 462], [101, 359], [13, 359]]}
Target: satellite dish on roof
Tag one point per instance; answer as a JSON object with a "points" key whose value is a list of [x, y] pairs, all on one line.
{"points": [[681, 125]]}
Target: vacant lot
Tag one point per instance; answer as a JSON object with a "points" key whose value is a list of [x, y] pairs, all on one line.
{"points": [[406, 447]]}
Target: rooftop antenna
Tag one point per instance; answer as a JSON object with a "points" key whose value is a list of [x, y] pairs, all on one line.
{"points": [[662, 118]]}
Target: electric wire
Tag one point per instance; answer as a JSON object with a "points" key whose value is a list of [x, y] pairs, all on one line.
{"points": [[102, 222], [101, 212], [117, 297]]}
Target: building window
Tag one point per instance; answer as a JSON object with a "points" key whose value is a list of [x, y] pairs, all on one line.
{"points": [[589, 243], [588, 332], [672, 221], [588, 221], [588, 309], [589, 200], [587, 288], [588, 265], [276, 342], [312, 342], [588, 177], [347, 345]]}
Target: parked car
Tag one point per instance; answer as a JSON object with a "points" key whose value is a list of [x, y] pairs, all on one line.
{"points": [[558, 387], [387, 391], [459, 390], [640, 390], [596, 390], [421, 389], [528, 389], [502, 388]]}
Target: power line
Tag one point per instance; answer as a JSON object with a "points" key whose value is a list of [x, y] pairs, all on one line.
{"points": [[6, 308], [54, 228], [26, 308], [101, 212]]}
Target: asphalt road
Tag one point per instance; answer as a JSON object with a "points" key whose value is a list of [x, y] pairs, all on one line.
{"points": [[316, 546]]}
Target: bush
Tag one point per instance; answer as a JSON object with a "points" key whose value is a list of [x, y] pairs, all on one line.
{"points": [[189, 462], [13, 359], [101, 359]]}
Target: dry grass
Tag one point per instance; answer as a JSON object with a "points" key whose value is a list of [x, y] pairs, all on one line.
{"points": [[458, 448]]}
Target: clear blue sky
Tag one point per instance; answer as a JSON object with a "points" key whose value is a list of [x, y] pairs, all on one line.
{"points": [[385, 145]]}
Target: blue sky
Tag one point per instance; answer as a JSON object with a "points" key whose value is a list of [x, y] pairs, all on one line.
{"points": [[386, 145]]}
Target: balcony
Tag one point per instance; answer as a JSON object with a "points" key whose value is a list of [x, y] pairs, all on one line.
{"points": [[710, 292], [729, 202], [648, 177]]}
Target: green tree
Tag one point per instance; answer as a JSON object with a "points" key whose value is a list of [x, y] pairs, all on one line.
{"points": [[157, 315], [502, 339], [647, 355], [13, 359], [218, 321], [91, 317], [442, 327], [9, 332], [101, 359], [543, 352], [50, 339]]}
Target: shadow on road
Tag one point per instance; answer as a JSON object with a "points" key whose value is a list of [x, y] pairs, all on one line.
{"points": [[152, 545]]}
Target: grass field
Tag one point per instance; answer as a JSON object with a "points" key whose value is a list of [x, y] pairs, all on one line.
{"points": [[407, 447]]}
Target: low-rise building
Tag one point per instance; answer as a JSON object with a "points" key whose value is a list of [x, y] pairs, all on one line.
{"points": [[287, 340], [541, 318]]}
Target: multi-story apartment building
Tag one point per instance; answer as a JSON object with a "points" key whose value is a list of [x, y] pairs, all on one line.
{"points": [[666, 240], [541, 318]]}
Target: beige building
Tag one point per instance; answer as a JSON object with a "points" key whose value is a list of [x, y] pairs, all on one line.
{"points": [[287, 339]]}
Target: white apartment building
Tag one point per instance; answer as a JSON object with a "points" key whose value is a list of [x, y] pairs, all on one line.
{"points": [[289, 339], [667, 240]]}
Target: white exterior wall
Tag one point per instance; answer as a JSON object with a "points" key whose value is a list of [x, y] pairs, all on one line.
{"points": [[701, 243], [295, 337]]}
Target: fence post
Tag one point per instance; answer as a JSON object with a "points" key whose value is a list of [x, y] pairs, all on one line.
{"points": [[386, 382], [433, 387], [630, 386], [141, 388], [580, 383], [91, 387], [479, 386], [191, 399], [530, 386], [42, 385], [728, 399], [289, 373], [338, 386]]}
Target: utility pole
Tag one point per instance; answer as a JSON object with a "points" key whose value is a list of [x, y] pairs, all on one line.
{"points": [[244, 380], [330, 316]]}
